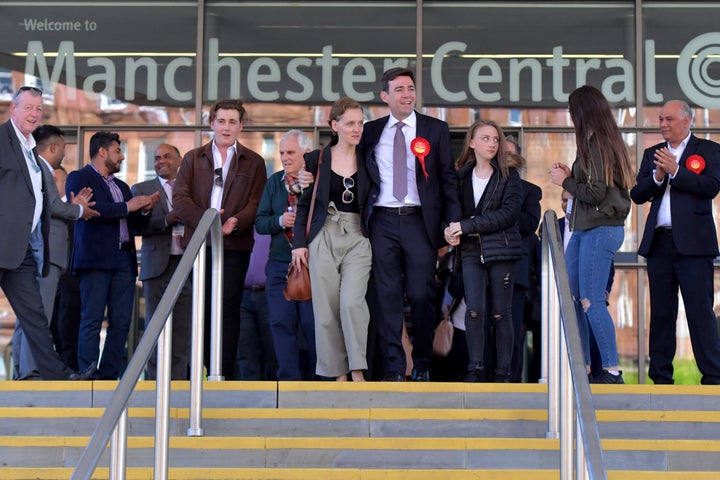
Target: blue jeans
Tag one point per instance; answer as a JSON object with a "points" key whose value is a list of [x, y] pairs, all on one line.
{"points": [[589, 256], [116, 290], [286, 321]]}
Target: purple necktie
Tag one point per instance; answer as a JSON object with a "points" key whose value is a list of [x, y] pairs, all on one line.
{"points": [[399, 164]]}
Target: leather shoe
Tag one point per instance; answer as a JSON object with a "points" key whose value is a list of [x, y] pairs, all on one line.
{"points": [[420, 376], [393, 377], [87, 374]]}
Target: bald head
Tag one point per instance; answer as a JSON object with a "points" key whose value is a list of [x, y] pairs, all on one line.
{"points": [[167, 161], [675, 119]]}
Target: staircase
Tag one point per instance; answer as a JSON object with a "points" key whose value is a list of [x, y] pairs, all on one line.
{"points": [[371, 431]]}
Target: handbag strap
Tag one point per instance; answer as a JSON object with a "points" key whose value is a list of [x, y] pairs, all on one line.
{"points": [[312, 198]]}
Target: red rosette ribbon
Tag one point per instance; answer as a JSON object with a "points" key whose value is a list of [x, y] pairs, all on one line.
{"points": [[420, 147], [695, 163]]}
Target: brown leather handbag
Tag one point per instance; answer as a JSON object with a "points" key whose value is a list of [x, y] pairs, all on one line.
{"points": [[298, 280]]}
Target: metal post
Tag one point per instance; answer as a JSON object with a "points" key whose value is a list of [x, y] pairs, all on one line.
{"points": [[216, 310], [162, 401], [118, 448], [582, 472], [198, 332], [554, 344], [545, 275], [567, 411]]}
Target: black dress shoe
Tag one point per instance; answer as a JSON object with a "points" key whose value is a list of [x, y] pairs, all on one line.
{"points": [[420, 376], [87, 374], [394, 377], [475, 375]]}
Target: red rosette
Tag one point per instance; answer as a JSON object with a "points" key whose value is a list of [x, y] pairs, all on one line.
{"points": [[420, 147], [695, 163]]}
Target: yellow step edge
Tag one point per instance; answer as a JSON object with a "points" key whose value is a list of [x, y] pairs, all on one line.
{"points": [[370, 443], [424, 387], [658, 416], [140, 473], [371, 414]]}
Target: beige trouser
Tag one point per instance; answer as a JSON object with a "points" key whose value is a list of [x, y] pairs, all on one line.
{"points": [[340, 261]]}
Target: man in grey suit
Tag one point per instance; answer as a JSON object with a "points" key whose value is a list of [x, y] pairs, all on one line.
{"points": [[50, 148], [24, 230], [159, 257]]}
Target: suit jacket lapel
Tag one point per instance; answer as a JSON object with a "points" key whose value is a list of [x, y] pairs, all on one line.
{"points": [[164, 205], [19, 154], [690, 149]]}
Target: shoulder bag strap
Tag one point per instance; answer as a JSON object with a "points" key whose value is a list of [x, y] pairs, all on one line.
{"points": [[312, 198]]}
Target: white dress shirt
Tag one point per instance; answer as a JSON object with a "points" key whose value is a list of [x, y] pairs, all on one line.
{"points": [[664, 217], [384, 157]]}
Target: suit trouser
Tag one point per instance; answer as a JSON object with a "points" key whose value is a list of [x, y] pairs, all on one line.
{"points": [[668, 270], [154, 289], [22, 291], [256, 353], [340, 262], [403, 262], [22, 356], [67, 319]]}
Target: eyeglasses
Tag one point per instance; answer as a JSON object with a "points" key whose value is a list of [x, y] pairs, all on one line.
{"points": [[348, 196], [218, 177], [27, 88]]}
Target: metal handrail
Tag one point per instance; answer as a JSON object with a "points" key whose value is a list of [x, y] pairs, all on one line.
{"points": [[117, 409], [571, 412]]}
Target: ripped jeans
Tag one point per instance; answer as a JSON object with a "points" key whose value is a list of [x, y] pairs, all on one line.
{"points": [[589, 256], [482, 282]]}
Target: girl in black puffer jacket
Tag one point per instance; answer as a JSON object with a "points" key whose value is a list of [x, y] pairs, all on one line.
{"points": [[489, 239]]}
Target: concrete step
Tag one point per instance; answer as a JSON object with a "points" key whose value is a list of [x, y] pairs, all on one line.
{"points": [[359, 395], [368, 453], [358, 422]]}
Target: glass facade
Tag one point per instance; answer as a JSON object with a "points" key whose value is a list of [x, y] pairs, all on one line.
{"points": [[149, 70]]}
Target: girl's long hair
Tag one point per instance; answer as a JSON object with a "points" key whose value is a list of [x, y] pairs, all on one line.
{"points": [[591, 115], [468, 154]]}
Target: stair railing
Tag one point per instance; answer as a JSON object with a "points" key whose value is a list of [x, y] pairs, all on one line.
{"points": [[571, 412], [159, 330]]}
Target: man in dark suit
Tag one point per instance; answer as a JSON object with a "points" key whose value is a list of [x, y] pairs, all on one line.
{"points": [[406, 218], [159, 257], [24, 230], [229, 177], [104, 255], [51, 150], [680, 176]]}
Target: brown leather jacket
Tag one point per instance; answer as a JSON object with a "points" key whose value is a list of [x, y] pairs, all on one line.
{"points": [[243, 188]]}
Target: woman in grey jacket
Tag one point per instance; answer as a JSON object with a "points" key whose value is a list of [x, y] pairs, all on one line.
{"points": [[489, 238], [599, 183]]}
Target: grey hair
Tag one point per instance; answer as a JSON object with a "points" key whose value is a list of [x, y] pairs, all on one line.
{"points": [[304, 141], [685, 109]]}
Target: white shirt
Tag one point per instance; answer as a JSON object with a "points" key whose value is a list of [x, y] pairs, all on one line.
{"points": [[664, 217], [216, 195], [27, 145], [168, 191], [478, 185], [384, 157]]}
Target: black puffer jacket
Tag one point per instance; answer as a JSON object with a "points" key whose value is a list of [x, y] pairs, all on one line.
{"points": [[492, 224]]}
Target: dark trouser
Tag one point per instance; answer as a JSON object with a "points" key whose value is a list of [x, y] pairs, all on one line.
{"points": [[403, 261], [22, 291], [154, 289], [256, 354], [67, 319], [480, 280], [235, 265], [667, 271]]}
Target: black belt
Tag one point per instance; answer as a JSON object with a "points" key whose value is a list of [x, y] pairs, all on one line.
{"points": [[255, 288], [407, 210], [125, 246], [665, 230]]}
